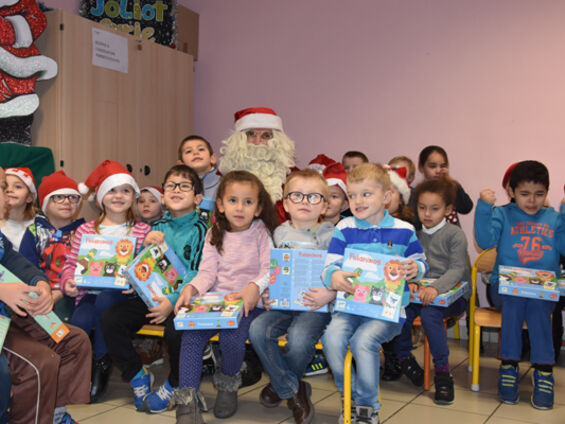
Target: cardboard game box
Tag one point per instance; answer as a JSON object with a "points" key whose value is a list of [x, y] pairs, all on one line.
{"points": [[210, 310], [49, 322], [155, 272], [101, 261], [445, 299], [379, 285], [207, 207], [528, 282], [293, 272]]}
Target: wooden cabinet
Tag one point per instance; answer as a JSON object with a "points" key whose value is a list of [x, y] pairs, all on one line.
{"points": [[88, 114]]}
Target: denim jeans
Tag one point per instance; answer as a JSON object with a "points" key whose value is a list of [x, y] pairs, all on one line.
{"points": [[365, 337], [303, 331]]}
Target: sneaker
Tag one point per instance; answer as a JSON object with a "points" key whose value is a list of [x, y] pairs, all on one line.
{"points": [[67, 419], [141, 385], [158, 400], [392, 368], [413, 371], [319, 365], [353, 412], [508, 384], [542, 398], [366, 415], [444, 388]]}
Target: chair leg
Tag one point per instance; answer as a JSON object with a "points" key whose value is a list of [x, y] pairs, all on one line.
{"points": [[456, 330], [347, 387], [476, 347], [427, 363], [471, 343]]}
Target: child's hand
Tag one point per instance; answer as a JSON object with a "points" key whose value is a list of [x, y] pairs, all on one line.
{"points": [[250, 296], [413, 287], [15, 295], [57, 295], [267, 302], [158, 314], [410, 269], [154, 237], [71, 289], [318, 297], [128, 291], [44, 302], [488, 196], [185, 295], [340, 281], [427, 295]]}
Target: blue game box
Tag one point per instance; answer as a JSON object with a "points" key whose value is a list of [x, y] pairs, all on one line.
{"points": [[445, 299], [528, 282], [212, 310]]}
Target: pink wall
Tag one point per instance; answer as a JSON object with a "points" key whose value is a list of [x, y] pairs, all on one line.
{"points": [[483, 79]]}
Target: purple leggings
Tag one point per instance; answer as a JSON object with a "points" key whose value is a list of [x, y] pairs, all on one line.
{"points": [[232, 345]]}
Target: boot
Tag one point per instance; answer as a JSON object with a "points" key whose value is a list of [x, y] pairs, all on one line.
{"points": [[301, 405], [101, 370], [226, 399], [187, 408]]}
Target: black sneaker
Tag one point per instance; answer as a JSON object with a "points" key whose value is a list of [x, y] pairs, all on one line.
{"points": [[413, 371], [392, 368], [444, 388]]}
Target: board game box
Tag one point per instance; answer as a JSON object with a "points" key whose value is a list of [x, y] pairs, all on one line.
{"points": [[207, 207], [528, 282], [102, 260], [212, 310], [155, 272], [444, 299], [379, 285], [293, 272]]}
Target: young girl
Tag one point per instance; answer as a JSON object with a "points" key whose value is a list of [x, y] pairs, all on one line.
{"points": [[397, 206], [433, 164], [115, 191], [445, 247], [236, 255], [20, 193], [149, 204]]}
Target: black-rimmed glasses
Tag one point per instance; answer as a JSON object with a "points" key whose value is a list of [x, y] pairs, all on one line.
{"points": [[298, 197]]}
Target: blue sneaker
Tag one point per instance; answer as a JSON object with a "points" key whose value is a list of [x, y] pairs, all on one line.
{"points": [[67, 419], [508, 384], [141, 385], [542, 398], [319, 365], [158, 400]]}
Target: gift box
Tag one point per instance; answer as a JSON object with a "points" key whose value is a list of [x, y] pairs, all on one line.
{"points": [[212, 310], [101, 261], [155, 272], [528, 282], [378, 283], [444, 299], [293, 272]]}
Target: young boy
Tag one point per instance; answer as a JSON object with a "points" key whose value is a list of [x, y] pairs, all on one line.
{"points": [[526, 234], [353, 159], [196, 152], [371, 228], [184, 232], [337, 203], [149, 204], [404, 162], [41, 374], [305, 200]]}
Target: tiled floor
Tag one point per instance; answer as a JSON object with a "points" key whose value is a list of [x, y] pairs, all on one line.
{"points": [[401, 402]]}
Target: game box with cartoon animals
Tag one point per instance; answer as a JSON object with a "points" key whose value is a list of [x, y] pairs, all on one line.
{"points": [[210, 310], [528, 282]]}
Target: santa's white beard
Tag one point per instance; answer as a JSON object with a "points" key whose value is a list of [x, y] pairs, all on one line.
{"points": [[270, 162]]}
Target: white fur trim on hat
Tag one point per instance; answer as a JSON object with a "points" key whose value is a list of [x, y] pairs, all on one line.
{"points": [[338, 182], [115, 180], [60, 191], [400, 184], [259, 120], [156, 193]]}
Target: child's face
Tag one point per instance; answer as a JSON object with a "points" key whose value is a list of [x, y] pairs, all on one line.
{"points": [[367, 200], [394, 203], [3, 201], [432, 209], [240, 204], [399, 163], [64, 210], [119, 199], [529, 196], [180, 199], [148, 206], [305, 215], [435, 166], [336, 203], [350, 163], [196, 155], [17, 193]]}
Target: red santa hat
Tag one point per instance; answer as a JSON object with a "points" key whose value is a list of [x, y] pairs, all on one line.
{"points": [[335, 174], [398, 179], [320, 162], [507, 174], [56, 183], [257, 117], [155, 191], [25, 175], [105, 177]]}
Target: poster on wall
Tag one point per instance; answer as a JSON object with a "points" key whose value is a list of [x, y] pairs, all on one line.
{"points": [[146, 19]]}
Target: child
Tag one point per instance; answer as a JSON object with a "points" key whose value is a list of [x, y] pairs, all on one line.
{"points": [[196, 152], [235, 258], [445, 247], [20, 195], [373, 229], [305, 199], [42, 375], [337, 203], [526, 234], [148, 204], [184, 231], [353, 159], [404, 162], [115, 191], [47, 242], [400, 195]]}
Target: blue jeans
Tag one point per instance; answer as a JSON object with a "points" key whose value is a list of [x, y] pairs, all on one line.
{"points": [[4, 389], [303, 331], [365, 337], [432, 321]]}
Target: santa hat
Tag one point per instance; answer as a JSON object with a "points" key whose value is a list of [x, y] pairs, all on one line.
{"points": [[155, 191], [335, 174], [398, 179], [507, 175], [56, 183], [105, 177], [25, 175], [257, 117], [320, 162]]}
